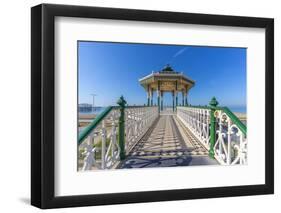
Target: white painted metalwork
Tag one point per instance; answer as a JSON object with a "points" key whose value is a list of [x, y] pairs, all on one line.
{"points": [[100, 148], [230, 146], [167, 111], [137, 121], [198, 122]]}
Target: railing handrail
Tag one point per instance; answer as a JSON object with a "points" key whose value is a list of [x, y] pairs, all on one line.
{"points": [[197, 107], [232, 116], [85, 132], [137, 106]]}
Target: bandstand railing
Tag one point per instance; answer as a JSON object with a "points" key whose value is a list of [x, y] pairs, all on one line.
{"points": [[112, 134], [219, 130], [137, 121]]}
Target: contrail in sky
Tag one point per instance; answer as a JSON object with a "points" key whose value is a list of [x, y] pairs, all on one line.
{"points": [[181, 51], [178, 53]]}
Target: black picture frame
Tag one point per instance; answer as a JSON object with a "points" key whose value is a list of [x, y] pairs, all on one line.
{"points": [[43, 110]]}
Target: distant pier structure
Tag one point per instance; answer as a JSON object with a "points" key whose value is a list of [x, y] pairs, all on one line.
{"points": [[167, 80]]}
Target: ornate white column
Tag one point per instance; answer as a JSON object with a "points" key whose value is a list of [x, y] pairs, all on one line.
{"points": [[148, 95], [176, 93], [151, 97], [173, 96]]}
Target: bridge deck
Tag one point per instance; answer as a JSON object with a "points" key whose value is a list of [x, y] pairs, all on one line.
{"points": [[167, 143]]}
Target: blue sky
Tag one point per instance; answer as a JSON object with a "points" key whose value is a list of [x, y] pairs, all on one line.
{"points": [[113, 69]]}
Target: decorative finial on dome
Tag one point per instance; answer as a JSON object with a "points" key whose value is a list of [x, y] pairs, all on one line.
{"points": [[168, 68]]}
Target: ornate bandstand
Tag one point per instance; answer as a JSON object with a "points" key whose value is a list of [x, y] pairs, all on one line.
{"points": [[166, 80]]}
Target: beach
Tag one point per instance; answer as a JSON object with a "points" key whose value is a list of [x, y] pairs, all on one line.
{"points": [[242, 117], [85, 119]]}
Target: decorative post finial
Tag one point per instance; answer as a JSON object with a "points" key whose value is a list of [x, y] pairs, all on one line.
{"points": [[213, 103], [121, 102]]}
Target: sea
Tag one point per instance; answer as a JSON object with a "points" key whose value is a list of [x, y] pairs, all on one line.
{"points": [[98, 110], [93, 111], [240, 109]]}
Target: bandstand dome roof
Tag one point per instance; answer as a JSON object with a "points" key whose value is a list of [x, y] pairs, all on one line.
{"points": [[167, 79]]}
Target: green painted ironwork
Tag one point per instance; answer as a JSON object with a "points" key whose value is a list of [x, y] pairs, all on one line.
{"points": [[213, 103], [135, 106], [85, 132], [121, 130], [213, 107], [167, 68]]}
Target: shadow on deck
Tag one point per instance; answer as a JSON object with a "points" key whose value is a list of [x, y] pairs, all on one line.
{"points": [[142, 162], [167, 144]]}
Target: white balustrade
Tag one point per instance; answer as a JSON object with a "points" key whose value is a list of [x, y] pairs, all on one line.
{"points": [[231, 144], [137, 121], [197, 120], [100, 148]]}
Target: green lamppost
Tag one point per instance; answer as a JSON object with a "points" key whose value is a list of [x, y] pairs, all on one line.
{"points": [[213, 104], [121, 131], [186, 103]]}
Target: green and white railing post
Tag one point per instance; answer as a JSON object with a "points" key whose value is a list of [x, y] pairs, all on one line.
{"points": [[112, 134], [121, 131], [213, 103], [219, 130]]}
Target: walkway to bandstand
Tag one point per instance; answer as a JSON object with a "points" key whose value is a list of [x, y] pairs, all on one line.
{"points": [[167, 143]]}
